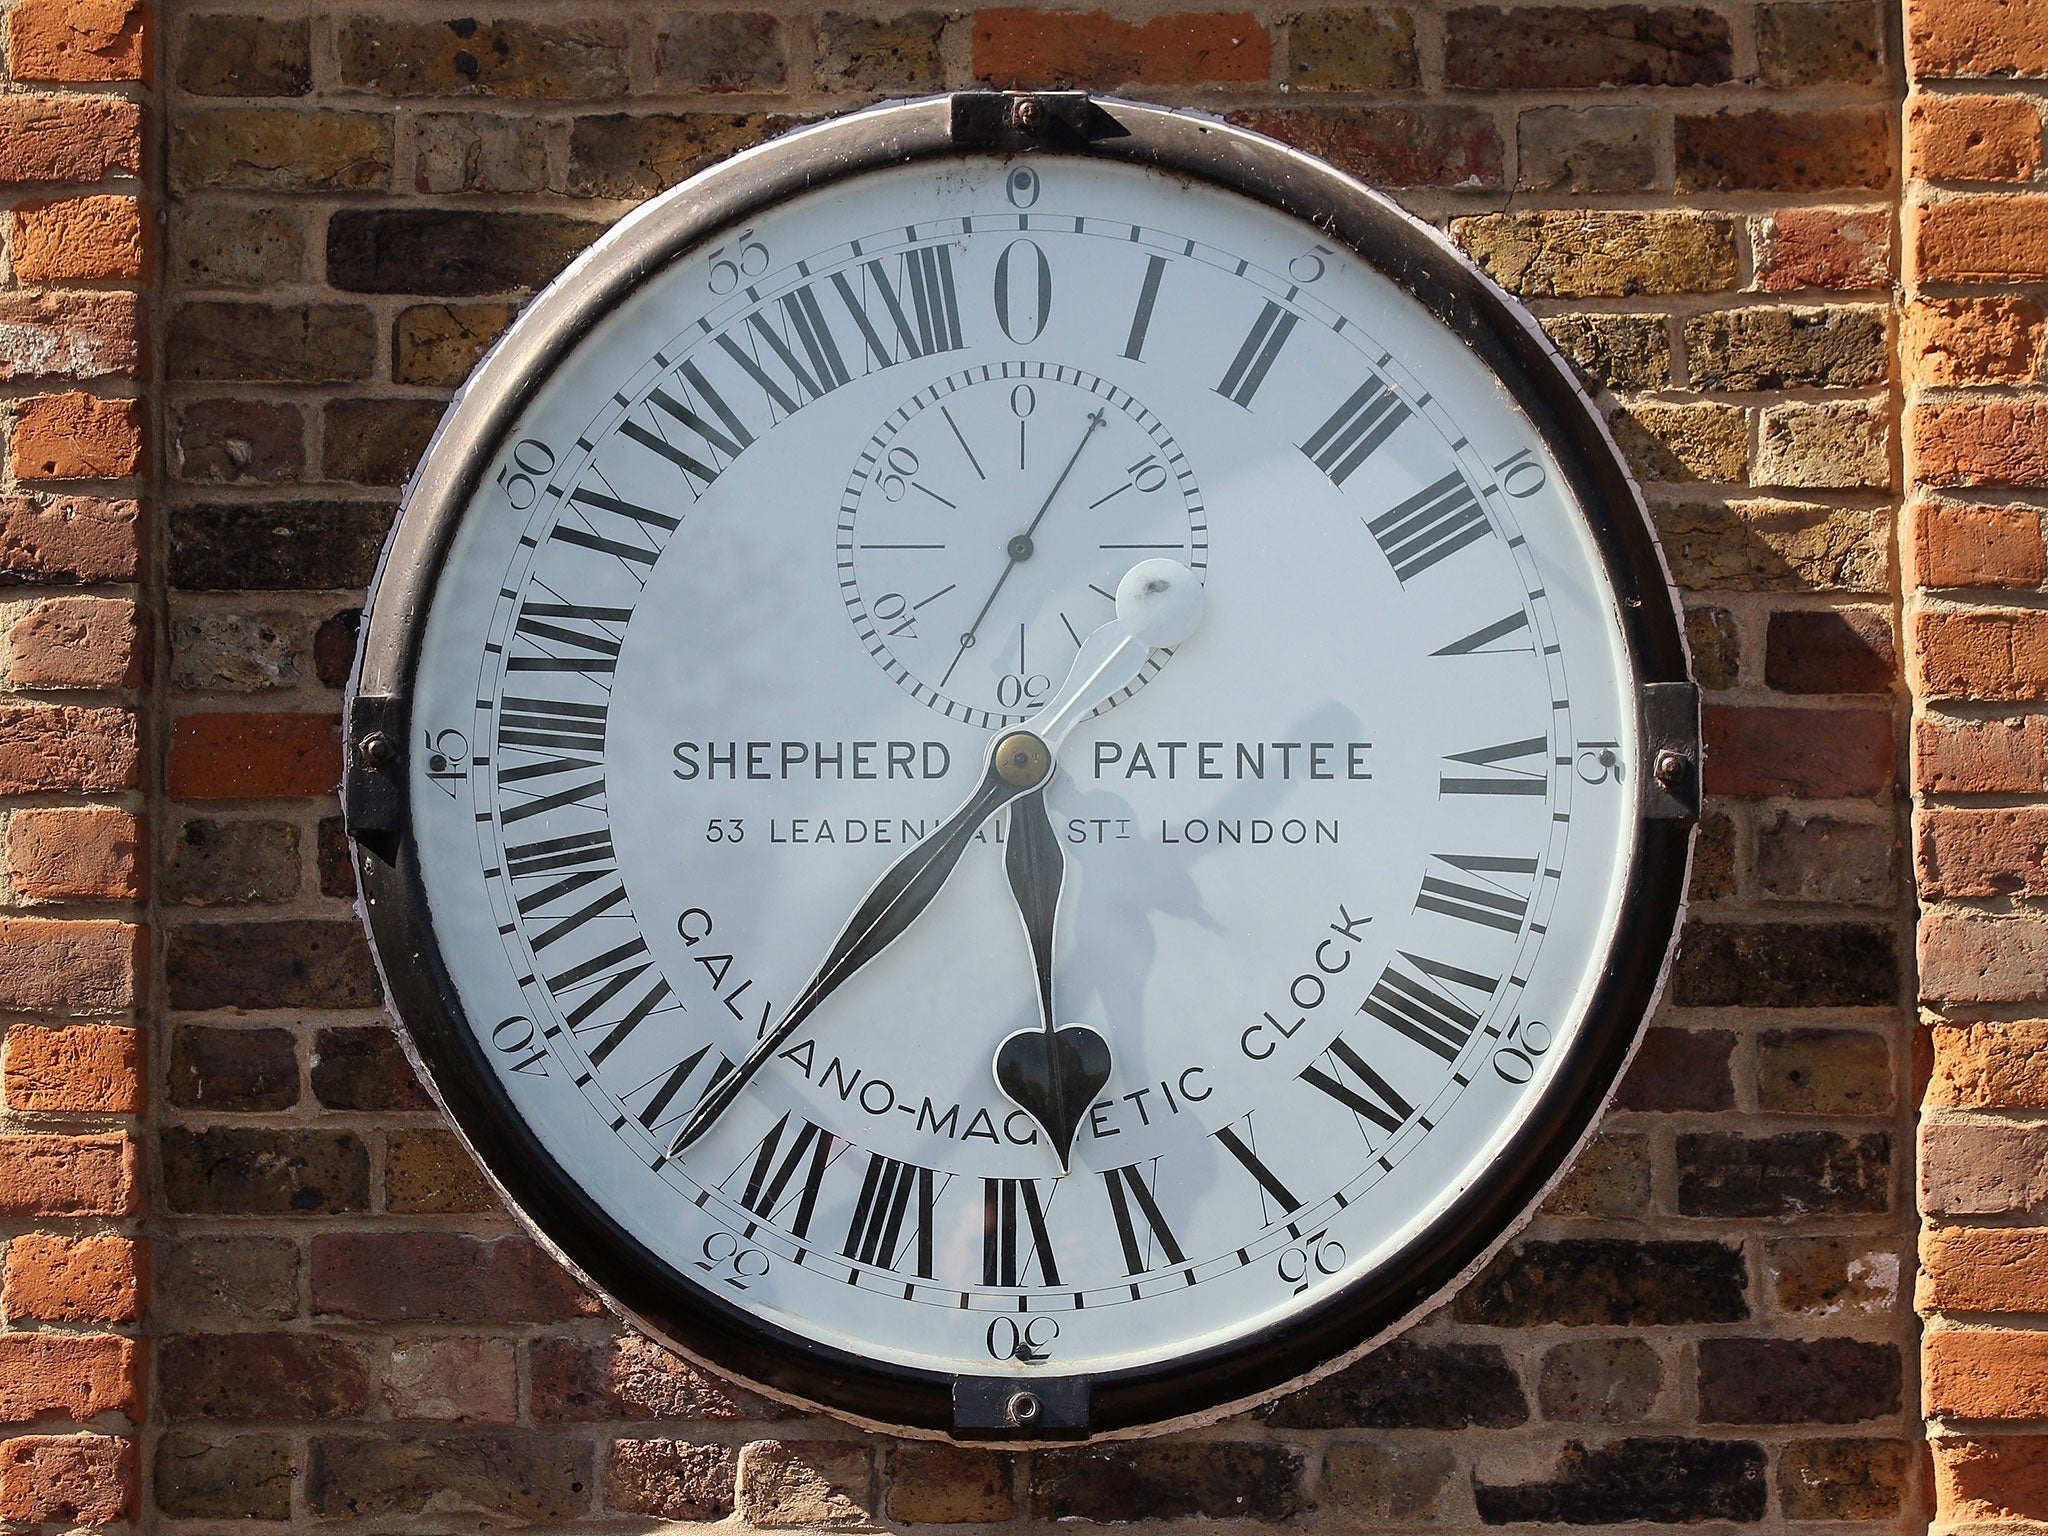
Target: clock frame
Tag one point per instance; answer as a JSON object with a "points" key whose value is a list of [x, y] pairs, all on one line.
{"points": [[574, 1226]]}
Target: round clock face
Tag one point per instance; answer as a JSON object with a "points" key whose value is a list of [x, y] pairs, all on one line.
{"points": [[770, 552]]}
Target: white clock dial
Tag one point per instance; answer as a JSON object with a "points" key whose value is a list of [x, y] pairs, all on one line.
{"points": [[767, 558]]}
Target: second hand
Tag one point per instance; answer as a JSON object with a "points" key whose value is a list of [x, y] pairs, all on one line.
{"points": [[1020, 548]]}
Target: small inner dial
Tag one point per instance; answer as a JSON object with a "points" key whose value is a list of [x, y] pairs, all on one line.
{"points": [[986, 525]]}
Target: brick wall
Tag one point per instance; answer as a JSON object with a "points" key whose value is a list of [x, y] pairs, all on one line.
{"points": [[1711, 1320], [1977, 466]]}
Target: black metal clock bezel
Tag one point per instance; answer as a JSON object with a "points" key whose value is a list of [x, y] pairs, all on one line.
{"points": [[575, 1226]]}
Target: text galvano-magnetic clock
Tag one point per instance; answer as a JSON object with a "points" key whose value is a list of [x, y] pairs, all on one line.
{"points": [[1022, 766]]}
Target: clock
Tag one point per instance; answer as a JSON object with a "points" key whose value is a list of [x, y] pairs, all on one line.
{"points": [[1022, 767]]}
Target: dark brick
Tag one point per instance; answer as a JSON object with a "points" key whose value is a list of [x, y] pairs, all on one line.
{"points": [[1680, 1069], [226, 247], [1610, 1178], [363, 1067], [1599, 1381], [576, 1381], [1716, 646], [297, 546], [1773, 347], [271, 343], [263, 1376], [441, 1277], [1846, 650], [427, 1171], [336, 856], [440, 343], [1555, 47], [530, 60], [245, 1477], [1826, 858], [1660, 1480], [621, 155], [1844, 1479], [1713, 859], [874, 54], [225, 1171], [524, 1478], [226, 1282], [1772, 151], [1794, 1173], [1119, 1483], [1614, 351], [232, 863], [1593, 1283], [1823, 1072], [1352, 48], [722, 51], [1407, 1385], [334, 652], [233, 1069], [673, 1479], [1786, 965], [1393, 146], [450, 252], [1590, 149], [246, 56], [1797, 1381], [297, 963], [376, 442], [239, 441], [1831, 43]]}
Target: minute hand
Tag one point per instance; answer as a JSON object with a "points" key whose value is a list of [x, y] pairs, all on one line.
{"points": [[1018, 760]]}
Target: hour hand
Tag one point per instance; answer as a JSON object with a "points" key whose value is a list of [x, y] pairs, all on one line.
{"points": [[1053, 1074]]}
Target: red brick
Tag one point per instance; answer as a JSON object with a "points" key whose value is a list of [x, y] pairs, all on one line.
{"points": [[70, 335], [69, 138], [1996, 1478], [68, 1376], [76, 437], [631, 1377], [1984, 1373], [1972, 852], [1393, 146], [1982, 653], [1980, 757], [1983, 238], [1973, 138], [78, 40], [1979, 442], [90, 751], [69, 539], [58, 1279], [1835, 650], [75, 1069], [1977, 37], [1819, 754], [1995, 1065], [231, 757], [1975, 1269], [70, 967], [1973, 341], [96, 238], [1020, 46], [1972, 957], [442, 1276], [88, 1479], [76, 642], [75, 853], [1982, 1168], [1825, 248]]}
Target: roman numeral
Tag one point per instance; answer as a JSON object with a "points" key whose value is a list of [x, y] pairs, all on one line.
{"points": [[876, 1234], [1491, 904], [811, 377], [1148, 295], [1424, 1012], [1130, 1202], [642, 550], [930, 323], [768, 1181], [575, 626], [554, 800], [1378, 1102], [1356, 430], [1262, 345], [1508, 780], [555, 725], [667, 1088], [723, 440], [1481, 641], [1006, 1252], [570, 863], [1242, 1148], [1437, 521]]}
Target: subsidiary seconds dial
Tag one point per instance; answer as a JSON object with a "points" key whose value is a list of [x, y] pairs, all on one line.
{"points": [[986, 524]]}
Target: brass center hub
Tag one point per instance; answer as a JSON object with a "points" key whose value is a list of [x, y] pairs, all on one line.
{"points": [[1022, 760]]}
